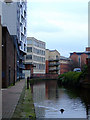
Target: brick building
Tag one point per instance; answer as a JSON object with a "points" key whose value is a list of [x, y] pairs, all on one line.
{"points": [[79, 58], [9, 59], [14, 17], [64, 64], [0, 54]]}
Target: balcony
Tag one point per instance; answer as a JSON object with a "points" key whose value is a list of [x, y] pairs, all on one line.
{"points": [[54, 64], [54, 69], [51, 60]]}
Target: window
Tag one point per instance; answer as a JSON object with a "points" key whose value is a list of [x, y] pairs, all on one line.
{"points": [[29, 57], [57, 57], [29, 42], [29, 49], [79, 60]]}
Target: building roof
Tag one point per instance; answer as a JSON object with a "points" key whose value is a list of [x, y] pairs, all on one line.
{"points": [[80, 53], [33, 38], [64, 58], [52, 50]]}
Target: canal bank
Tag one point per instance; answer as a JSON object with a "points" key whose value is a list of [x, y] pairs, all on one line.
{"points": [[25, 107], [75, 79]]}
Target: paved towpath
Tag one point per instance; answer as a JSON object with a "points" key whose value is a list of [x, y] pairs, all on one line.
{"points": [[10, 98]]}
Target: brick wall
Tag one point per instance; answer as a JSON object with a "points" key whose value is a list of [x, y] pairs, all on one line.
{"points": [[83, 56], [83, 59], [0, 54], [45, 76], [64, 68], [8, 59], [47, 66], [88, 49], [74, 57]]}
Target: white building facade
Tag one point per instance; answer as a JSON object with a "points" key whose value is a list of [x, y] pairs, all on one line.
{"points": [[36, 55], [14, 17]]}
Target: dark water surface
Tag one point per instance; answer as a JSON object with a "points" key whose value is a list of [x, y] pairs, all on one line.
{"points": [[49, 99]]}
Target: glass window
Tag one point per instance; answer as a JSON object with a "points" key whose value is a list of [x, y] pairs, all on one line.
{"points": [[29, 42], [29, 49], [79, 60], [29, 57]]}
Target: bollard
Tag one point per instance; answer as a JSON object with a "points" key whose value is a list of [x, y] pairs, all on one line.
{"points": [[27, 82]]}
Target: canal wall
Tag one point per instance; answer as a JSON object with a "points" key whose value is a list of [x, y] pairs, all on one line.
{"points": [[44, 76]]}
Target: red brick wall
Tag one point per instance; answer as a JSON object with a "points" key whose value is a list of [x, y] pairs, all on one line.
{"points": [[29, 67], [83, 59], [45, 76], [74, 57], [47, 67], [15, 68], [8, 59], [64, 68], [88, 49]]}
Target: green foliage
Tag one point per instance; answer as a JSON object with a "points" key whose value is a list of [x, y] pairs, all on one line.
{"points": [[84, 71], [70, 78]]}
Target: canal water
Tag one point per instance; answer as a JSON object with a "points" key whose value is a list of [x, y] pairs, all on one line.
{"points": [[49, 99]]}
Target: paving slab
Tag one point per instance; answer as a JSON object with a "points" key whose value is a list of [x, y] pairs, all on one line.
{"points": [[10, 98]]}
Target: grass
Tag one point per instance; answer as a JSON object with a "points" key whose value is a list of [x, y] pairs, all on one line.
{"points": [[25, 107]]}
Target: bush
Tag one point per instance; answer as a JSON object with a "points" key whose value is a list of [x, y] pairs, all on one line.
{"points": [[70, 78]]}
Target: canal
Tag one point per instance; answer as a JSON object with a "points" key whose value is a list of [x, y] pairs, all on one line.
{"points": [[49, 99]]}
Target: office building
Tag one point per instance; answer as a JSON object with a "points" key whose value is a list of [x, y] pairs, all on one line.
{"points": [[36, 55]]}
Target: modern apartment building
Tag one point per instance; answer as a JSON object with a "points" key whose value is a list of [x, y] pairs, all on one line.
{"points": [[36, 55], [14, 18], [52, 62]]}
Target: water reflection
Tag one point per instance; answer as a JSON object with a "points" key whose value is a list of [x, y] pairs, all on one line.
{"points": [[49, 99]]}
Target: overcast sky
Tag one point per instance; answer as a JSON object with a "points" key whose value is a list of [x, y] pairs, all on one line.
{"points": [[62, 24]]}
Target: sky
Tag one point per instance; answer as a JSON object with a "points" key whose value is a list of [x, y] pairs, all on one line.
{"points": [[62, 24]]}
